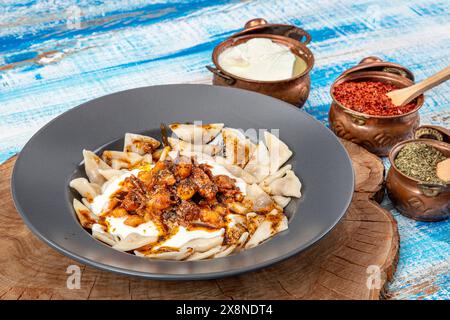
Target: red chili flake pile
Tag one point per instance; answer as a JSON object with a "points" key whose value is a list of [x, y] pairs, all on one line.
{"points": [[370, 97]]}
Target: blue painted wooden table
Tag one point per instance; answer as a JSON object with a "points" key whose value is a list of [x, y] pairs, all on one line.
{"points": [[56, 54]]}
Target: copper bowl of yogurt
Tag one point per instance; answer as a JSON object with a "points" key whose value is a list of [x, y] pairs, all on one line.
{"points": [[271, 59]]}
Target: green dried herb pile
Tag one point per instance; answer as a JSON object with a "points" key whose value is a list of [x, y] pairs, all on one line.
{"points": [[419, 161]]}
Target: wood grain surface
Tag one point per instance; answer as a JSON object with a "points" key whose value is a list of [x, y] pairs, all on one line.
{"points": [[340, 266]]}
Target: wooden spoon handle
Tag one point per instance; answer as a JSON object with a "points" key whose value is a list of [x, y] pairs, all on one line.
{"points": [[406, 95]]}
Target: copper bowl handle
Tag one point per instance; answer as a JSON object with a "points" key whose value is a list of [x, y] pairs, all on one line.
{"points": [[429, 189], [294, 33], [373, 59], [299, 34], [229, 80], [255, 22], [357, 119], [432, 132], [370, 59]]}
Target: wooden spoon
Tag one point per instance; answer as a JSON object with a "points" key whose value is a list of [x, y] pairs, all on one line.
{"points": [[403, 96]]}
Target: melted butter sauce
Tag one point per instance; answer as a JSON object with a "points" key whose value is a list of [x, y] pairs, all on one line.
{"points": [[217, 169]]}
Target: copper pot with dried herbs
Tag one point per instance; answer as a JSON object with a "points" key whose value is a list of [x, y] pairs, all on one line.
{"points": [[418, 182], [362, 113]]}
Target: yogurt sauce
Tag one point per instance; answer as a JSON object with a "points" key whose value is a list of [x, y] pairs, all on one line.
{"points": [[100, 203], [148, 229], [259, 59], [117, 227], [183, 236]]}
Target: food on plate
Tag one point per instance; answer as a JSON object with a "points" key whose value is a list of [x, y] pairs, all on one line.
{"points": [[180, 145], [261, 59], [140, 144], [208, 193], [196, 133], [238, 148], [258, 165]]}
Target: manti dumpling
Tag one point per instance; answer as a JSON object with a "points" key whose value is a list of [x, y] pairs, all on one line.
{"points": [[261, 200], [282, 201], [280, 173], [111, 173], [85, 188], [134, 241], [198, 156], [236, 170], [285, 183], [202, 245], [259, 164], [183, 146], [121, 160], [92, 164], [227, 250], [238, 148], [279, 152], [99, 233], [86, 217], [204, 248], [266, 228], [181, 254], [203, 255], [196, 133], [140, 144]]}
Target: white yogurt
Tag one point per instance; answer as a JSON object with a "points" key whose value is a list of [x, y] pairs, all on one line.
{"points": [[98, 228], [183, 236], [259, 59], [101, 202], [117, 227]]}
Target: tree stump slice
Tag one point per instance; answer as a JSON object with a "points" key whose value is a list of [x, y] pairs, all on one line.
{"points": [[361, 247]]}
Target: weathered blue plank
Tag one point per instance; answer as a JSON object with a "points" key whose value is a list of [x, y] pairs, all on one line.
{"points": [[48, 66]]}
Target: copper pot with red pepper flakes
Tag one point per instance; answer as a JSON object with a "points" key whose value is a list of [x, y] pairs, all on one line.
{"points": [[362, 113]]}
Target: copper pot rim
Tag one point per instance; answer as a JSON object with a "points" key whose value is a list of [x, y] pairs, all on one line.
{"points": [[396, 149], [443, 131], [248, 29], [340, 79], [291, 43]]}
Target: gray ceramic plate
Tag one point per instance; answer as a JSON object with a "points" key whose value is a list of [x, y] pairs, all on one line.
{"points": [[53, 155]]}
